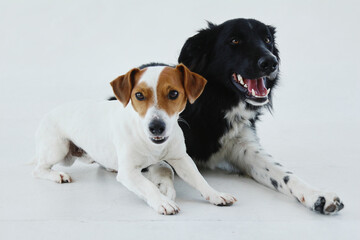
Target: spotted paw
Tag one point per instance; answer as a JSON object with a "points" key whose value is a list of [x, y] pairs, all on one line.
{"points": [[328, 205], [220, 199], [165, 206]]}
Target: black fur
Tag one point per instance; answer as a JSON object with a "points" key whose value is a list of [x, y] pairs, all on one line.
{"points": [[286, 179], [274, 183], [319, 205], [153, 64], [211, 54]]}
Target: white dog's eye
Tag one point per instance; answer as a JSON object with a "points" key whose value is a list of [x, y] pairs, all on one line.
{"points": [[173, 94], [139, 96]]}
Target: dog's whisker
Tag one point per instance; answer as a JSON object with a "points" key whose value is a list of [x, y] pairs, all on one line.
{"points": [[180, 119]]}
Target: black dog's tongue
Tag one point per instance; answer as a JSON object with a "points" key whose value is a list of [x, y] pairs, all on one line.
{"points": [[257, 85]]}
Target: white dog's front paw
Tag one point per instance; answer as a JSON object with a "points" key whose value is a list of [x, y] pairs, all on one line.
{"points": [[220, 199], [52, 175], [323, 202], [61, 177], [165, 206]]}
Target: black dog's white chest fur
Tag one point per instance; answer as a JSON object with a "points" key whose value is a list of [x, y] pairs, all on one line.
{"points": [[240, 129]]}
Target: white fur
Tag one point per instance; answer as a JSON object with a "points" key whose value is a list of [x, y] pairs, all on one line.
{"points": [[118, 139]]}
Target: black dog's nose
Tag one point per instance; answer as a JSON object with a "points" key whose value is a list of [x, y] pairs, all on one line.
{"points": [[268, 64], [157, 127]]}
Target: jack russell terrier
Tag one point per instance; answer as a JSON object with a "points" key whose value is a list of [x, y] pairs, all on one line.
{"points": [[131, 137]]}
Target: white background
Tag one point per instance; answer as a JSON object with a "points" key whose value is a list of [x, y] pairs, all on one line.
{"points": [[52, 52]]}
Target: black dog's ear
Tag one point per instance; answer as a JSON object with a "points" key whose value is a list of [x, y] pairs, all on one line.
{"points": [[211, 25], [196, 50], [272, 30]]}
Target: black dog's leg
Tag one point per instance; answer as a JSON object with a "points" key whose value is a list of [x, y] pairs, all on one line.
{"points": [[247, 154]]}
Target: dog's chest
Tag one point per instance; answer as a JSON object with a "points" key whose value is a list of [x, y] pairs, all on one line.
{"points": [[239, 122]]}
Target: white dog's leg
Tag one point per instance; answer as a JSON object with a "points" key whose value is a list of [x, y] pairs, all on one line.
{"points": [[134, 180], [248, 155], [50, 151], [86, 159], [162, 175], [187, 170]]}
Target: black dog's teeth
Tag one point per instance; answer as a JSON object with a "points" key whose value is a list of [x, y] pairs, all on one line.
{"points": [[239, 80]]}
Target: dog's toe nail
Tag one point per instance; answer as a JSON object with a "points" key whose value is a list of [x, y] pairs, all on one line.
{"points": [[331, 208], [340, 206]]}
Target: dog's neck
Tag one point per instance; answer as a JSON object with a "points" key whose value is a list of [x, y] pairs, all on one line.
{"points": [[241, 115]]}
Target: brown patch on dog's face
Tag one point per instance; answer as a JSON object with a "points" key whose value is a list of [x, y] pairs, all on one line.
{"points": [[170, 80], [187, 84], [142, 105], [123, 85]]}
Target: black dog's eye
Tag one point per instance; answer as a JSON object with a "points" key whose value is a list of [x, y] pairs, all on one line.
{"points": [[235, 41], [139, 96], [173, 94], [267, 40]]}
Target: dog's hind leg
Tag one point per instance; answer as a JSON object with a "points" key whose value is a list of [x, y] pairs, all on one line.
{"points": [[51, 149], [247, 154], [162, 175]]}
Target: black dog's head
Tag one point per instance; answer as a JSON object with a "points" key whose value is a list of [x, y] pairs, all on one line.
{"points": [[239, 55]]}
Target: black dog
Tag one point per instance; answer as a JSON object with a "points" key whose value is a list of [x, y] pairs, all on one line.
{"points": [[240, 61]]}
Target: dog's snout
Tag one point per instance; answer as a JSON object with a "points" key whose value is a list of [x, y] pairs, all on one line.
{"points": [[268, 64], [157, 127]]}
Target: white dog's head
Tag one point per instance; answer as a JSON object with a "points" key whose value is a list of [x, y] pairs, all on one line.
{"points": [[158, 94]]}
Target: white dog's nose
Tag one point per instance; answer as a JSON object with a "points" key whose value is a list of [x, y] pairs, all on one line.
{"points": [[157, 127]]}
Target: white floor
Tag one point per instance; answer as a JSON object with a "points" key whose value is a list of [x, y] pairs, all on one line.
{"points": [[54, 52], [96, 206]]}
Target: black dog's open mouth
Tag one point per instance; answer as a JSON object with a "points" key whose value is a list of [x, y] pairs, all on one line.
{"points": [[158, 140], [254, 89]]}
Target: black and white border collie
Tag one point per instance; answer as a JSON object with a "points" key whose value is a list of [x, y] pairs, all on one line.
{"points": [[240, 60]]}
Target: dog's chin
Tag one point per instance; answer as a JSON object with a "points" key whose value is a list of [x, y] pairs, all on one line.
{"points": [[158, 139], [254, 90]]}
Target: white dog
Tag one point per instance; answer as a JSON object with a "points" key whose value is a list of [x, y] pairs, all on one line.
{"points": [[129, 138]]}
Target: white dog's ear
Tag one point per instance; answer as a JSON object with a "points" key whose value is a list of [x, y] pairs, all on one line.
{"points": [[123, 85], [194, 83]]}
